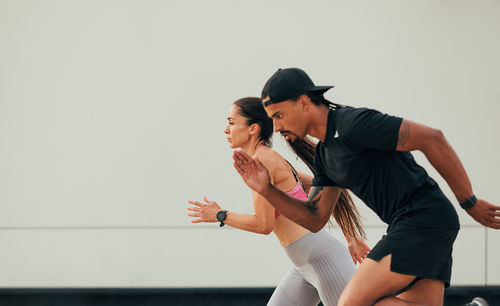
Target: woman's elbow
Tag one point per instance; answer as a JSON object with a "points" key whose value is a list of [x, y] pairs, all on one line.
{"points": [[266, 230]]}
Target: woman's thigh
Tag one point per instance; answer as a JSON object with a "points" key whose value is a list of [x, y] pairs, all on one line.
{"points": [[330, 273], [293, 289]]}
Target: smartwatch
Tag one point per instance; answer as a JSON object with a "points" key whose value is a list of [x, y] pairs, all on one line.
{"points": [[469, 202], [221, 216]]}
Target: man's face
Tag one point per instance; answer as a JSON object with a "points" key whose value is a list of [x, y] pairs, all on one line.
{"points": [[288, 118]]}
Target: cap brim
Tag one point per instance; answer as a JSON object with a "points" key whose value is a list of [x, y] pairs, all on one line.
{"points": [[316, 89], [268, 102], [320, 89]]}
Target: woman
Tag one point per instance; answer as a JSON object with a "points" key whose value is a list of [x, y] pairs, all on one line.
{"points": [[322, 266]]}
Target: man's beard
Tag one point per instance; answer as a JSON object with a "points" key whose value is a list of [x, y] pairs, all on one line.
{"points": [[296, 137]]}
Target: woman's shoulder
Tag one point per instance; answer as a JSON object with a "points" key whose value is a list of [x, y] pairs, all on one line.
{"points": [[271, 159]]}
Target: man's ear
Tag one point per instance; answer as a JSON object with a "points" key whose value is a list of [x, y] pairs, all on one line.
{"points": [[304, 103]]}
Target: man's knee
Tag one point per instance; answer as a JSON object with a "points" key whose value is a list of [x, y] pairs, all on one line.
{"points": [[347, 298]]}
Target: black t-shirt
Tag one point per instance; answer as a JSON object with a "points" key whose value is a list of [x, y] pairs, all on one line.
{"points": [[359, 153]]}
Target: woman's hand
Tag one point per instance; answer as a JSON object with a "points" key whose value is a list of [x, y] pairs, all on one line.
{"points": [[358, 249], [204, 212]]}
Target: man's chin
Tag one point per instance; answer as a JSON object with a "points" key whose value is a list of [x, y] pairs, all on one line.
{"points": [[290, 137], [293, 138]]}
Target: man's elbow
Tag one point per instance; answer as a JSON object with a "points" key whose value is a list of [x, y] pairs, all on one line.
{"points": [[437, 135], [315, 225], [435, 139], [315, 228]]}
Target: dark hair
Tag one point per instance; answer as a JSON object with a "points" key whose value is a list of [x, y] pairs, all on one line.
{"points": [[319, 99], [345, 212], [252, 109]]}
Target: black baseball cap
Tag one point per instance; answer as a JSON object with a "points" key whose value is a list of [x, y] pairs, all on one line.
{"points": [[287, 84]]}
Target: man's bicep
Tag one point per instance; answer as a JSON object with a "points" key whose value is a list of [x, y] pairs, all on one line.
{"points": [[415, 136]]}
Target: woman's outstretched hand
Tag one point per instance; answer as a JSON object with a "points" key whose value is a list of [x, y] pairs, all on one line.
{"points": [[358, 249], [253, 173], [204, 212]]}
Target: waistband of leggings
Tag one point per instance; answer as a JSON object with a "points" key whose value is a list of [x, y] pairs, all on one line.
{"points": [[310, 246]]}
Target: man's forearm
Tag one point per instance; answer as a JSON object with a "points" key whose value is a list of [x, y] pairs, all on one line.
{"points": [[444, 159], [298, 211]]}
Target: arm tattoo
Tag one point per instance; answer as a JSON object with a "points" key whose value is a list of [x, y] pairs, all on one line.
{"points": [[404, 134], [314, 197]]}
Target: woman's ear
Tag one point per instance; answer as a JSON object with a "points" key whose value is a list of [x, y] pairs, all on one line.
{"points": [[254, 129]]}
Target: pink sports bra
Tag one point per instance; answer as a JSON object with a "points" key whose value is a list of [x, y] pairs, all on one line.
{"points": [[297, 191]]}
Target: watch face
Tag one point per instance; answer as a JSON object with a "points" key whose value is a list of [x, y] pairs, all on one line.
{"points": [[221, 215]]}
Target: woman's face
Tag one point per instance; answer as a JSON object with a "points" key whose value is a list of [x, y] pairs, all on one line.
{"points": [[237, 131]]}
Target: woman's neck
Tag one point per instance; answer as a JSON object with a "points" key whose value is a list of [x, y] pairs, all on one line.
{"points": [[252, 146]]}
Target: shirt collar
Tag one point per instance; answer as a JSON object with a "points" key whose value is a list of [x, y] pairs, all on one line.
{"points": [[330, 125]]}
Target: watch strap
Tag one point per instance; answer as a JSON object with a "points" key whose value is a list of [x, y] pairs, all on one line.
{"points": [[469, 202], [221, 216]]}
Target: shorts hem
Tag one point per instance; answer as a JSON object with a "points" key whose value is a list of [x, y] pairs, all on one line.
{"points": [[395, 268], [421, 275]]}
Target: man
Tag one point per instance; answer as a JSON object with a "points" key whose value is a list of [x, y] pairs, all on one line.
{"points": [[368, 152]]}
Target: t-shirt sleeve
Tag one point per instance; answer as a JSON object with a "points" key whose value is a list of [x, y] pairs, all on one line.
{"points": [[320, 178], [370, 128]]}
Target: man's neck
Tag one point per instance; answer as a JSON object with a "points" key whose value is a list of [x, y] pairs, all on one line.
{"points": [[319, 121]]}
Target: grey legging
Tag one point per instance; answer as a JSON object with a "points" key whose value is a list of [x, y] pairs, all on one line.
{"points": [[322, 268]]}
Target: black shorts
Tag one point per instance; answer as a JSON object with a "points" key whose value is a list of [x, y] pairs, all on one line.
{"points": [[421, 236]]}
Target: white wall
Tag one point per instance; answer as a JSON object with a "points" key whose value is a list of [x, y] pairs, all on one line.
{"points": [[112, 112]]}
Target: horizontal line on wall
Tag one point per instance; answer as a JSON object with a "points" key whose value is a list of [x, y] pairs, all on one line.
{"points": [[155, 227], [98, 227]]}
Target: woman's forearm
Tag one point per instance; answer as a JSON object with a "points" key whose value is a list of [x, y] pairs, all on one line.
{"points": [[249, 223]]}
